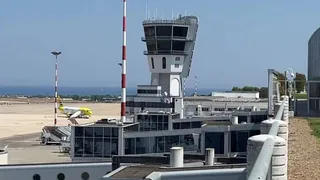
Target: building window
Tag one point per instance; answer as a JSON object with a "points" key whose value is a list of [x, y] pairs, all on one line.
{"points": [[164, 63], [177, 58], [152, 63], [176, 65]]}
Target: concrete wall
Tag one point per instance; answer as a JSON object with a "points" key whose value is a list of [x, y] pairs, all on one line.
{"points": [[51, 171], [236, 94]]}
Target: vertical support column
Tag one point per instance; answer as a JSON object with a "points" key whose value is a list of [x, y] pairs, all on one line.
{"points": [[170, 123], [184, 87], [56, 93], [209, 157], [176, 157], [278, 160], [226, 141], [195, 86], [124, 64], [120, 141], [203, 142], [249, 119]]}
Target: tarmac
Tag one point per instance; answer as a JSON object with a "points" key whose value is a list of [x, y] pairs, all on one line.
{"points": [[21, 124]]}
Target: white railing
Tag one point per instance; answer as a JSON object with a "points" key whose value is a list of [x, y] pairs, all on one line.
{"points": [[267, 157]]}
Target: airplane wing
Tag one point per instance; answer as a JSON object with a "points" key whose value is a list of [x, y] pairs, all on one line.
{"points": [[74, 115]]}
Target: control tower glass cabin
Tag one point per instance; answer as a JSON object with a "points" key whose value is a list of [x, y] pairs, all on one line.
{"points": [[170, 45]]}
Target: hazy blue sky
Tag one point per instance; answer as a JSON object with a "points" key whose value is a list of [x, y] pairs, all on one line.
{"points": [[236, 44]]}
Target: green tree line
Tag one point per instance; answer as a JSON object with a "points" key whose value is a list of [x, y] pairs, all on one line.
{"points": [[263, 91], [299, 80]]}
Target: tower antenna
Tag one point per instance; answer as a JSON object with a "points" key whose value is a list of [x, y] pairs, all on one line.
{"points": [[195, 86], [156, 13], [172, 14], [146, 11], [124, 64], [56, 54]]}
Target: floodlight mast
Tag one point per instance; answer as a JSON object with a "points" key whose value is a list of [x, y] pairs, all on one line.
{"points": [[56, 53]]}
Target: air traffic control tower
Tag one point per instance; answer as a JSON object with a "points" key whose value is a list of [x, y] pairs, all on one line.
{"points": [[170, 45]]}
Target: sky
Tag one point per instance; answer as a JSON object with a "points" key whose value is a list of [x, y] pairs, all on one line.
{"points": [[237, 40]]}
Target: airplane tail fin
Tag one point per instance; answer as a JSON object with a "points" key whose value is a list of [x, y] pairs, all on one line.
{"points": [[59, 101]]}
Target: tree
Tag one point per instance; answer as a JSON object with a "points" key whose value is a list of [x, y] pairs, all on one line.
{"points": [[263, 92], [236, 89], [300, 82]]}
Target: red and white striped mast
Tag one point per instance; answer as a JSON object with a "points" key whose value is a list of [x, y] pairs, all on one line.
{"points": [[124, 64], [55, 53]]}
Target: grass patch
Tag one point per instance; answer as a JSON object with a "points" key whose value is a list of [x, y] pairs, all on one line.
{"points": [[314, 124], [301, 96]]}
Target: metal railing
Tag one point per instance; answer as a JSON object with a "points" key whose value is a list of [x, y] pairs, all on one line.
{"points": [[166, 52], [261, 167], [163, 21], [179, 38]]}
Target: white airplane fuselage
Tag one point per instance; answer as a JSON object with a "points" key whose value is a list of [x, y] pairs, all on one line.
{"points": [[73, 110]]}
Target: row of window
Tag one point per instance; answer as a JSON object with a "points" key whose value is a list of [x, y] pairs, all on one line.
{"points": [[153, 122], [179, 31], [163, 46], [164, 63], [96, 132], [95, 147], [149, 104], [187, 125], [160, 144], [147, 91]]}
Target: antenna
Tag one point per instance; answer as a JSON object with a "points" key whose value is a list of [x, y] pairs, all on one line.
{"points": [[195, 85], [172, 13], [148, 14], [124, 64], [184, 86], [156, 13], [146, 11], [185, 12]]}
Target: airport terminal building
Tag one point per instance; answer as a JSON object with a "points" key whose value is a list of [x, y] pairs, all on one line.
{"points": [[159, 117]]}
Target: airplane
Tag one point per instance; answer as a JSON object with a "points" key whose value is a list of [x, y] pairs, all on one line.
{"points": [[74, 112]]}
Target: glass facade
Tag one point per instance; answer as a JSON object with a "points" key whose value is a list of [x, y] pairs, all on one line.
{"points": [[258, 118], [158, 122], [313, 71], [242, 119], [160, 144], [215, 140], [239, 140], [96, 141], [149, 104], [187, 125]]}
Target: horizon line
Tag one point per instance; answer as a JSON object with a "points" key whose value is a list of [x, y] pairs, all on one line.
{"points": [[41, 86]]}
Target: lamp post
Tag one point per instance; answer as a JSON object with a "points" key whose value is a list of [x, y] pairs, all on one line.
{"points": [[56, 53], [290, 81], [292, 75]]}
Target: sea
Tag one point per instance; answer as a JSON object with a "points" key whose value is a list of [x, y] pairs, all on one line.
{"points": [[84, 91]]}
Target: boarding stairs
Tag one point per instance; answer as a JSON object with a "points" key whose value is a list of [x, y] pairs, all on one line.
{"points": [[55, 134]]}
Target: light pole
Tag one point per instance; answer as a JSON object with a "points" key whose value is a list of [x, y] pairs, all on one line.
{"points": [[292, 75], [195, 86], [55, 53]]}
